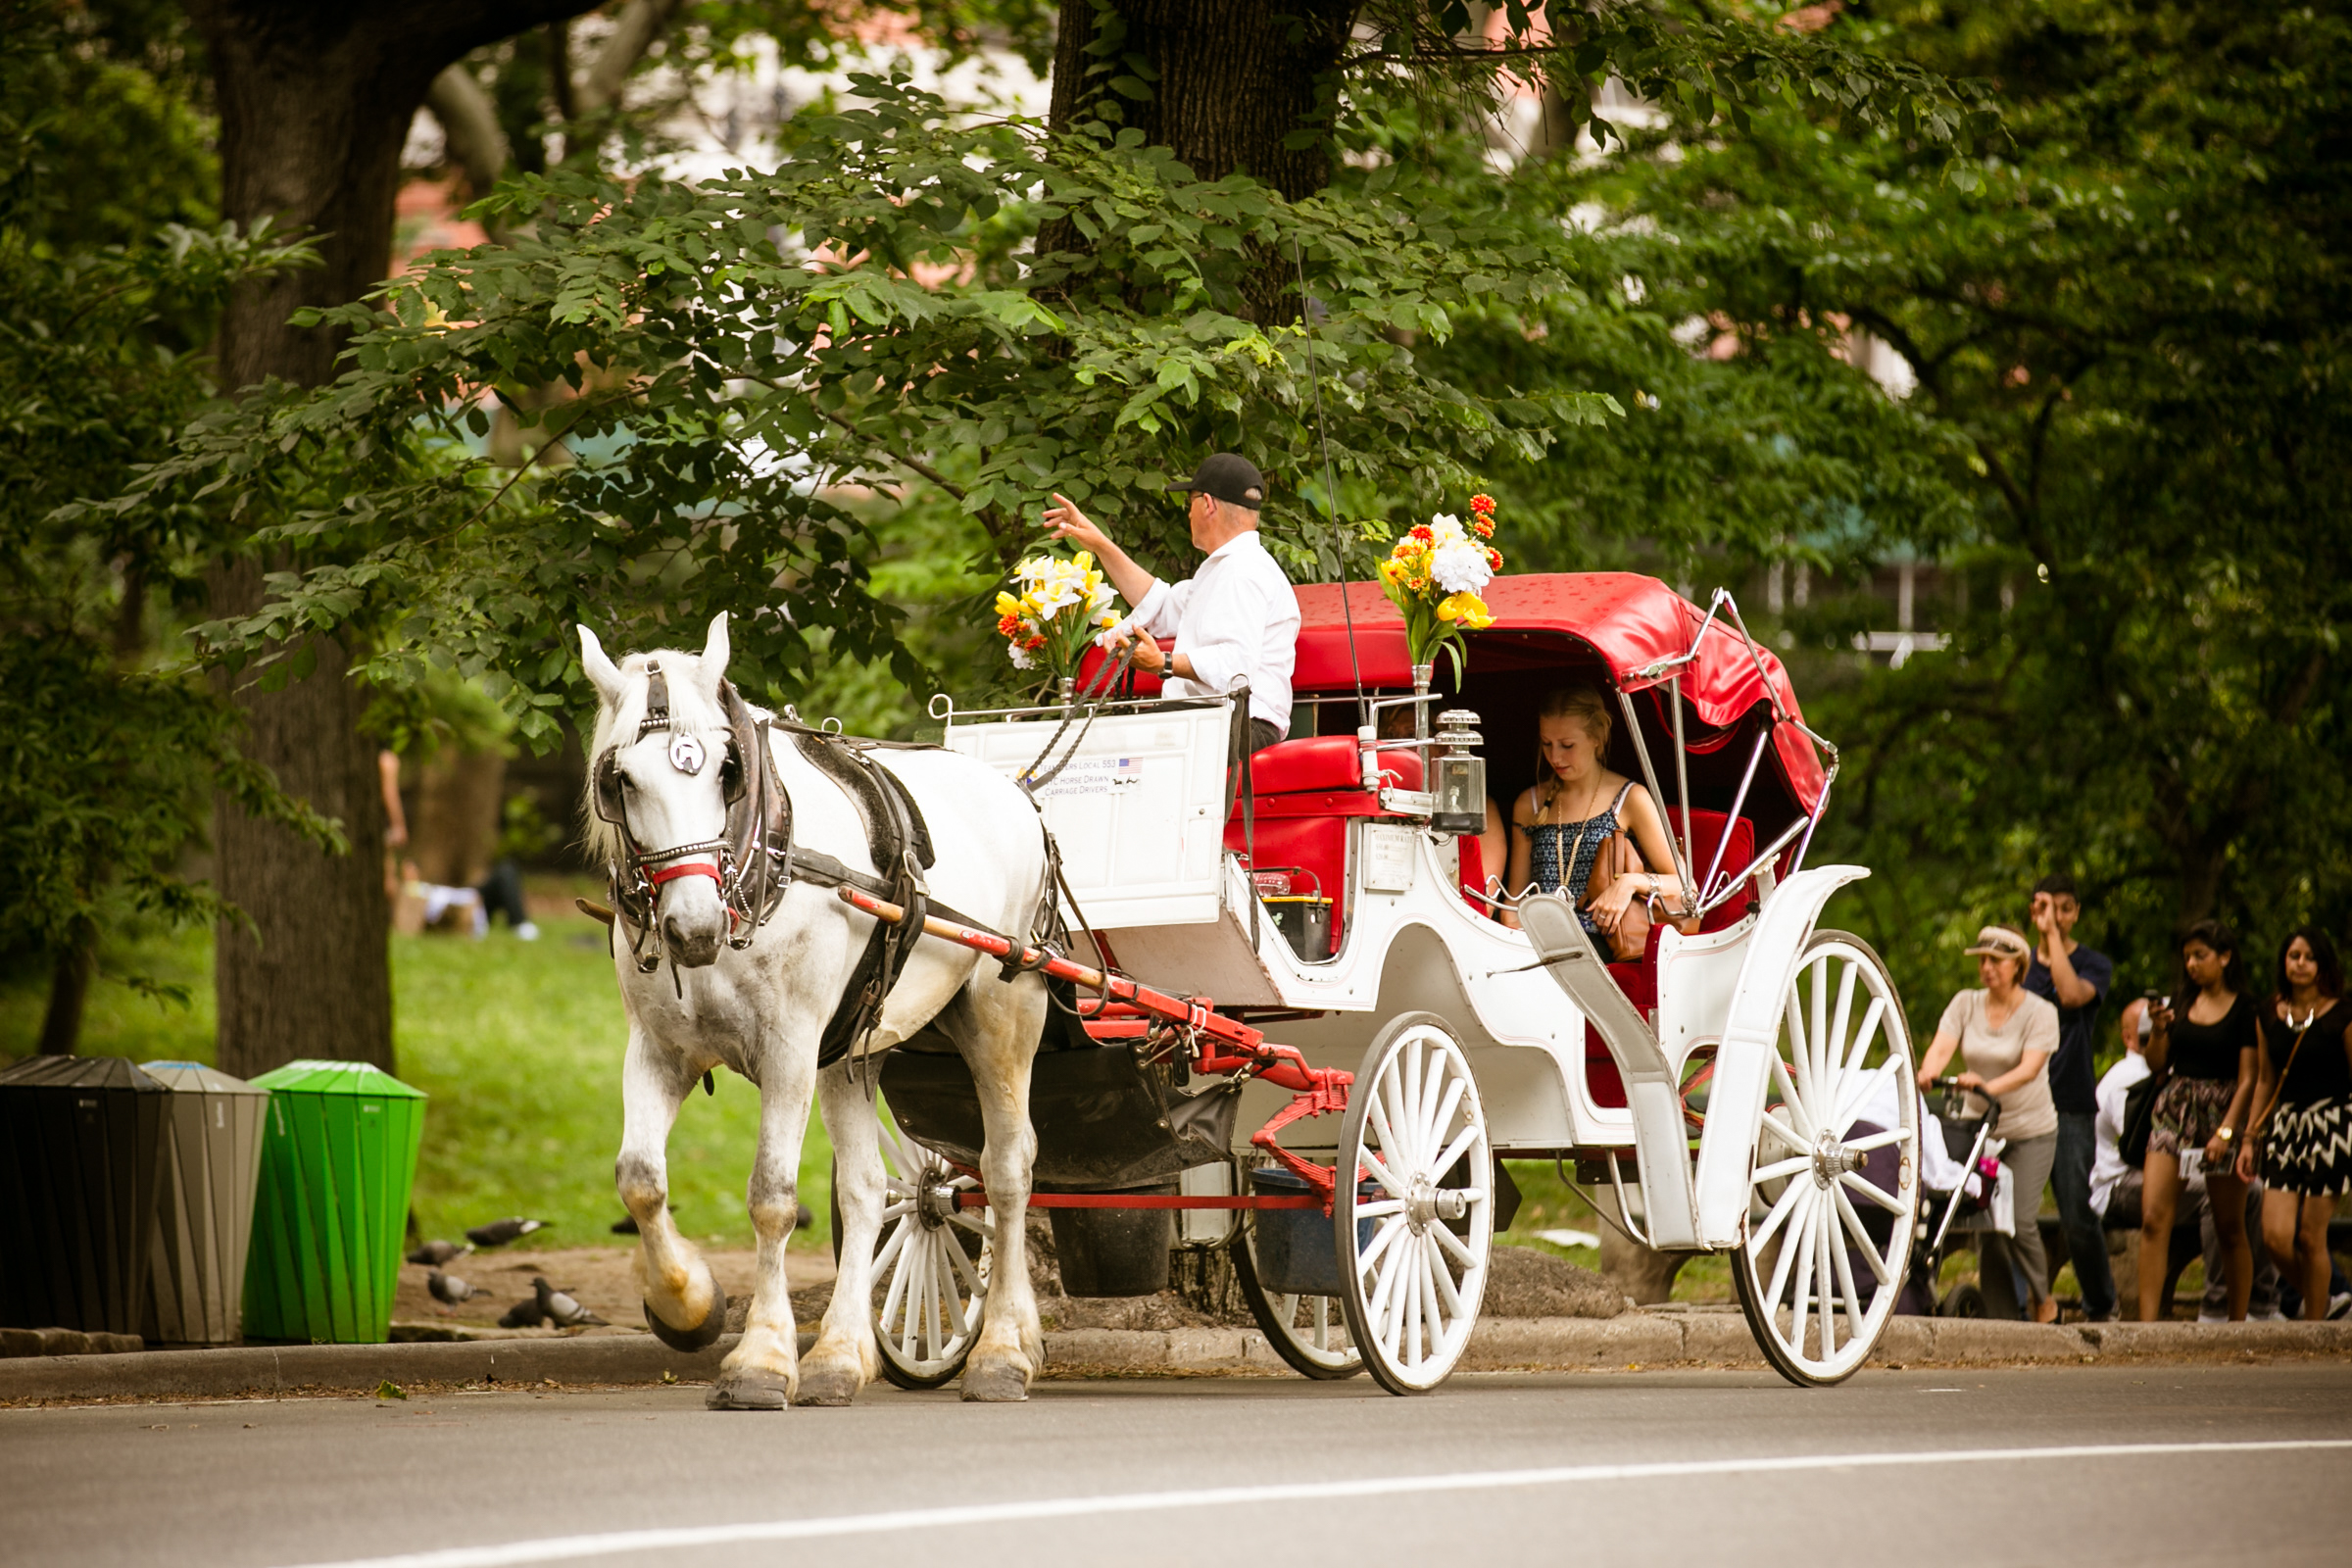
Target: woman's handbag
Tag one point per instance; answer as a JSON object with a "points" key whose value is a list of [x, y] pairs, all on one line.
{"points": [[2140, 1117]]}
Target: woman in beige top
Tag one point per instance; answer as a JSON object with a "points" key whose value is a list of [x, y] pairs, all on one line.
{"points": [[2006, 1036]]}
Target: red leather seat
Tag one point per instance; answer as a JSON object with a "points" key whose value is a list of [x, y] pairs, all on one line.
{"points": [[1304, 792]]}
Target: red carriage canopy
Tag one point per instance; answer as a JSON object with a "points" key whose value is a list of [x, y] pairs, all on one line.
{"points": [[1627, 621]]}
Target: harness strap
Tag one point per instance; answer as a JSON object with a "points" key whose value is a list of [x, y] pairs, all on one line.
{"points": [[672, 873]]}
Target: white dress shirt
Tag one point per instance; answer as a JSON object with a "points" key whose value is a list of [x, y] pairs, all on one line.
{"points": [[1235, 620], [2107, 1166]]}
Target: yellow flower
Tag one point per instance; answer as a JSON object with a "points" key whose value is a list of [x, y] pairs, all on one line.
{"points": [[1468, 609], [1006, 605]]}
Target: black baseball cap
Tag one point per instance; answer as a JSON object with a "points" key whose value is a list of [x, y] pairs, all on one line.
{"points": [[1228, 477]]}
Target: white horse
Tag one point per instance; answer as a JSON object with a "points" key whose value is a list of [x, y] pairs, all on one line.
{"points": [[761, 1009]]}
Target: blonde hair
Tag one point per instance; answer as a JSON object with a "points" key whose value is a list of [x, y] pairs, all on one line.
{"points": [[1587, 707]]}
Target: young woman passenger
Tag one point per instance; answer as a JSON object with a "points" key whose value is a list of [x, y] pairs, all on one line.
{"points": [[1586, 831], [2209, 1038], [2302, 1141], [2005, 1036]]}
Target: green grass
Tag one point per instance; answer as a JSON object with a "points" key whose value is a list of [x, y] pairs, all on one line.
{"points": [[519, 1043], [1547, 1203]]}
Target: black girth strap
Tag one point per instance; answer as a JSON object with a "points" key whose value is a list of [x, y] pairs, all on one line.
{"points": [[902, 848]]}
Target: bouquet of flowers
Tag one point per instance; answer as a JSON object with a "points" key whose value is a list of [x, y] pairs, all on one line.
{"points": [[1061, 607], [1434, 575]]}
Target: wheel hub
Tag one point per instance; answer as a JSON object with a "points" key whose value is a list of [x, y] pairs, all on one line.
{"points": [[1833, 1160], [1421, 1205], [934, 1199]]}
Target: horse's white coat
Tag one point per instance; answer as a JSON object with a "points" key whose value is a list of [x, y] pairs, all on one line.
{"points": [[761, 1011]]}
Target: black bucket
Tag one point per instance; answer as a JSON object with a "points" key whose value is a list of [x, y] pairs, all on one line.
{"points": [[1303, 920], [1115, 1251], [1297, 1253]]}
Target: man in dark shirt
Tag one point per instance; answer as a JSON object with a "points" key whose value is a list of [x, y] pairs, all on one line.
{"points": [[2077, 979]]}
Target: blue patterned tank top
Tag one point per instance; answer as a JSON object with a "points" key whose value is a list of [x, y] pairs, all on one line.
{"points": [[1561, 853]]}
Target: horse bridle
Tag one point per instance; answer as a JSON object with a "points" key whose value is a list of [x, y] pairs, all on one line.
{"points": [[750, 863]]}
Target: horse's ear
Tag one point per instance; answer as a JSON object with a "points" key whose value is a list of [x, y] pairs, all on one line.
{"points": [[715, 651], [602, 671]]}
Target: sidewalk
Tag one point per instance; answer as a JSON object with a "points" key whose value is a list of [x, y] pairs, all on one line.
{"points": [[1637, 1340]]}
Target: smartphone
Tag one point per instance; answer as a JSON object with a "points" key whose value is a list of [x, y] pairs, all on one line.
{"points": [[2151, 1001]]}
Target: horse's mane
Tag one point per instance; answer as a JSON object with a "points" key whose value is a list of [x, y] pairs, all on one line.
{"points": [[690, 709]]}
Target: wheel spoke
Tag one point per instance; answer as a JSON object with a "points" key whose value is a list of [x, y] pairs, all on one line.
{"points": [[1390, 1154], [1821, 1286], [1444, 1117], [1378, 1208], [1455, 1151], [1385, 1276], [1785, 1134], [1384, 1241], [964, 1270], [1793, 1104], [1449, 1295], [894, 1244], [1802, 1291], [1878, 1140], [1855, 1228], [1885, 1199], [1455, 1245], [1799, 1211], [1853, 1082], [1777, 1215], [1783, 1167], [1432, 1311], [1390, 1182], [1819, 1057], [1435, 1106], [1833, 1044], [1800, 1057]]}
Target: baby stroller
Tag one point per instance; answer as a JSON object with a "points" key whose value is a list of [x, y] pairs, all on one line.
{"points": [[1964, 1191]]}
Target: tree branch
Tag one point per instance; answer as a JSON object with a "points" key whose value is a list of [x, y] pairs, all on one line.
{"points": [[640, 23], [470, 128]]}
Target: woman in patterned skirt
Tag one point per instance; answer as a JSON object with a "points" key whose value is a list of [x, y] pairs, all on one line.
{"points": [[2302, 1142], [2209, 1038]]}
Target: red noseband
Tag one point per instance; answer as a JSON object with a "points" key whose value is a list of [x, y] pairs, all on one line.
{"points": [[671, 874]]}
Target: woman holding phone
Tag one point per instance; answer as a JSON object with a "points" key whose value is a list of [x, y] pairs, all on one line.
{"points": [[2210, 1038], [2302, 1141]]}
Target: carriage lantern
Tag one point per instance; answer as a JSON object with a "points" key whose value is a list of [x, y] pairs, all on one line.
{"points": [[1460, 785]]}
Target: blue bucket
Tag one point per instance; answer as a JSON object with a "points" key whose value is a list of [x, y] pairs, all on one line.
{"points": [[1297, 1253]]}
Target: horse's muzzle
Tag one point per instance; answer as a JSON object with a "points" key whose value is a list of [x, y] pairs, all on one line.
{"points": [[690, 944]]}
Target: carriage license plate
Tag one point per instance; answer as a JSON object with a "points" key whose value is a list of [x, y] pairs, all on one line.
{"points": [[1388, 858]]}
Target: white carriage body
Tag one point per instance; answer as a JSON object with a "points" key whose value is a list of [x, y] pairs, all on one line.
{"points": [[1140, 810]]}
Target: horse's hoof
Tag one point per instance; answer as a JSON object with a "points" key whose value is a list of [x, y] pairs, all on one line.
{"points": [[827, 1386], [1000, 1384], [750, 1389], [702, 1336]]}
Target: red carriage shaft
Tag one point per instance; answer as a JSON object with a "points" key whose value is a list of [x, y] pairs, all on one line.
{"points": [[1315, 1090]]}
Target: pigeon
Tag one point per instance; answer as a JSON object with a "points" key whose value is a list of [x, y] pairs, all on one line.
{"points": [[522, 1315], [499, 1232], [626, 1225], [432, 1254], [560, 1309], [448, 1289]]}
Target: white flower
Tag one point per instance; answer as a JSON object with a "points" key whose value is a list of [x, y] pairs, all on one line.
{"points": [[1445, 529], [1019, 656], [1459, 566]]}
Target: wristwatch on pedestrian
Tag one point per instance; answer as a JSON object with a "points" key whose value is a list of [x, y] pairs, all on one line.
{"points": [[2225, 1134]]}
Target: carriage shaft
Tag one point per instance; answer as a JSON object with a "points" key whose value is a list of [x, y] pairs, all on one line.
{"points": [[979, 1199], [1194, 1014]]}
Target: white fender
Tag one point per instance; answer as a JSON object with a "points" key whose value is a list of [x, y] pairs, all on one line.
{"points": [[1744, 1060]]}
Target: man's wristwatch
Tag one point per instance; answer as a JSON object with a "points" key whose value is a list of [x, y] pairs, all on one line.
{"points": [[2225, 1134]]}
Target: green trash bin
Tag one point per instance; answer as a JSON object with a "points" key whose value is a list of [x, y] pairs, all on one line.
{"points": [[339, 1158]]}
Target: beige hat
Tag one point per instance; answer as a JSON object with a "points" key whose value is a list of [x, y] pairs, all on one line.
{"points": [[1999, 942]]}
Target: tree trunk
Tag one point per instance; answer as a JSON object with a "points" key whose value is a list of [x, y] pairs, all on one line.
{"points": [[314, 102], [68, 990], [1236, 80]]}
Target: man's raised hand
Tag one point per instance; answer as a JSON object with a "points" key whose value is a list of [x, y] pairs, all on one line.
{"points": [[1069, 523]]}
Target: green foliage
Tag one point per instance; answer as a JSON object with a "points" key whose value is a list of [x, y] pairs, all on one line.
{"points": [[859, 317], [110, 755], [2128, 333]]}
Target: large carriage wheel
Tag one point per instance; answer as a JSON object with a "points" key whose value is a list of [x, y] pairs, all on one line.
{"points": [[1413, 1236], [1308, 1332], [931, 1262], [1822, 1266]]}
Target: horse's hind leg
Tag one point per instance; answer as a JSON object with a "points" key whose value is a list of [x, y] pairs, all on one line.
{"points": [[1011, 1346], [763, 1371], [843, 1358], [683, 1303]]}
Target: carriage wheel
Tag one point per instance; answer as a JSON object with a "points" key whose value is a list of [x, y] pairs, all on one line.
{"points": [[1414, 1232], [1817, 1285], [1308, 1332], [931, 1264]]}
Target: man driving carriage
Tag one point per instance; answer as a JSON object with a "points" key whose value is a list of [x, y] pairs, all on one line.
{"points": [[1234, 621]]}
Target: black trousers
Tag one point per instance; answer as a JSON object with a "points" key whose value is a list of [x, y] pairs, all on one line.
{"points": [[1263, 734]]}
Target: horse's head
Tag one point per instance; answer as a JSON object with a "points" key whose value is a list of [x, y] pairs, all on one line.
{"points": [[664, 768]]}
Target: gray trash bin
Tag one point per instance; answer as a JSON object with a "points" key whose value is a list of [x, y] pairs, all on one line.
{"points": [[204, 1206]]}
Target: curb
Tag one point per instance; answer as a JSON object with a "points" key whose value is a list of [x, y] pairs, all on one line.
{"points": [[1634, 1340]]}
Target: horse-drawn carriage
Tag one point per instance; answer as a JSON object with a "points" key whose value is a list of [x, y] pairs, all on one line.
{"points": [[1422, 1041], [1283, 1015]]}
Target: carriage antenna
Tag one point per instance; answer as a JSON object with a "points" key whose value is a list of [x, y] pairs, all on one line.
{"points": [[1331, 485]]}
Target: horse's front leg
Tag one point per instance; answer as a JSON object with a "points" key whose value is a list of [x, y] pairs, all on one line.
{"points": [[843, 1358], [763, 1371], [683, 1303], [1011, 1349]]}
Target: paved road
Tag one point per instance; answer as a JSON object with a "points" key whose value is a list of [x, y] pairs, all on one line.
{"points": [[1895, 1467]]}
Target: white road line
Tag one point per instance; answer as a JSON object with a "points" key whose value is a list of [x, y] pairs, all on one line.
{"points": [[553, 1548]]}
